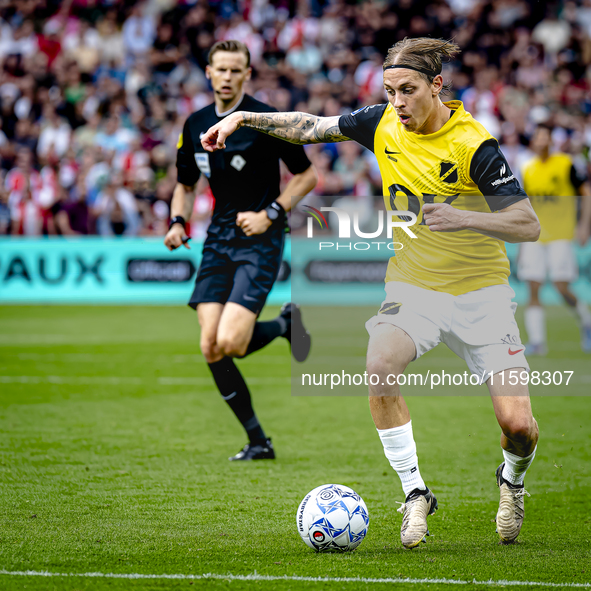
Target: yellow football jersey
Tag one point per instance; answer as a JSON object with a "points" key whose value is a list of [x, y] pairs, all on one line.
{"points": [[460, 164], [553, 195]]}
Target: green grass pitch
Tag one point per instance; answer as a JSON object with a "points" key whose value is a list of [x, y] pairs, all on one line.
{"points": [[113, 447]]}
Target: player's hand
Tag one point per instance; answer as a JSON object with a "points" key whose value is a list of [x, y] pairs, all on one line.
{"points": [[583, 231], [441, 217], [253, 222], [215, 137], [175, 237]]}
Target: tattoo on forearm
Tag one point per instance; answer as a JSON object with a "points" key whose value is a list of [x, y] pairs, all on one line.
{"points": [[297, 128]]}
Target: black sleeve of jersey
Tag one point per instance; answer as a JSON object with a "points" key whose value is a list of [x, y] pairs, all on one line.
{"points": [[294, 157], [188, 173], [361, 125], [576, 179], [490, 171]]}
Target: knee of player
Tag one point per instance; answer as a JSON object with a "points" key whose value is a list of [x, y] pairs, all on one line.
{"points": [[378, 364], [210, 350], [520, 428], [232, 347]]}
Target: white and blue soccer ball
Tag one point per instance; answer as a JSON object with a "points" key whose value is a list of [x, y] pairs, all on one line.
{"points": [[332, 517]]}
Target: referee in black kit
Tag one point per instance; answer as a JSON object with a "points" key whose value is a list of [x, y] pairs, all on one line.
{"points": [[244, 244]]}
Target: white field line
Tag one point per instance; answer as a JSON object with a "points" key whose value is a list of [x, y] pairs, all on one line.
{"points": [[114, 381], [257, 577]]}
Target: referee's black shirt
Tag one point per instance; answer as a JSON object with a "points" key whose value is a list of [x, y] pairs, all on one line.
{"points": [[243, 177]]}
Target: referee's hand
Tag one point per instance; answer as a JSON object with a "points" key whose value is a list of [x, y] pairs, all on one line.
{"points": [[215, 137], [253, 222], [175, 237]]}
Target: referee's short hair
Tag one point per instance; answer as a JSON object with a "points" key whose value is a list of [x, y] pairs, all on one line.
{"points": [[235, 46]]}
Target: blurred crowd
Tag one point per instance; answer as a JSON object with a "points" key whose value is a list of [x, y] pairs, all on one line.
{"points": [[94, 93]]}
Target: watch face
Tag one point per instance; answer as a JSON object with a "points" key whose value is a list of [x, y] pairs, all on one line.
{"points": [[272, 213]]}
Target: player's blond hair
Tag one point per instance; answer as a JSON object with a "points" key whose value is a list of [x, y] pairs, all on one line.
{"points": [[422, 53], [232, 46]]}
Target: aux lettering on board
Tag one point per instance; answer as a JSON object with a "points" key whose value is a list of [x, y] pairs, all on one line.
{"points": [[61, 269]]}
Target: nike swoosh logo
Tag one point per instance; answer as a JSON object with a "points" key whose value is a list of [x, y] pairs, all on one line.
{"points": [[515, 352], [388, 152]]}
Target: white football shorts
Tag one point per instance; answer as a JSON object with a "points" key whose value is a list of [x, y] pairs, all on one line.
{"points": [[478, 326], [555, 260]]}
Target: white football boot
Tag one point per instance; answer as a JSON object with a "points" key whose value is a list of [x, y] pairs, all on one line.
{"points": [[511, 508], [419, 503]]}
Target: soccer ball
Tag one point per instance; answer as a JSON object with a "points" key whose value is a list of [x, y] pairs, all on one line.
{"points": [[332, 517]]}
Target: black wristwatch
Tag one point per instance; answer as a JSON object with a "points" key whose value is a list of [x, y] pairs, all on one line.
{"points": [[274, 211], [178, 219]]}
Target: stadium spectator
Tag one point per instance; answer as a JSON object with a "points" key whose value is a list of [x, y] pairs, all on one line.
{"points": [[26, 215], [138, 33], [55, 135], [73, 216], [4, 212], [116, 210], [112, 137], [349, 166]]}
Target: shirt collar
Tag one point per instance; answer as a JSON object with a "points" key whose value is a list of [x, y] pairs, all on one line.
{"points": [[234, 108]]}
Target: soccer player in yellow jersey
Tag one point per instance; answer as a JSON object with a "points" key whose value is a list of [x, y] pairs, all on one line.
{"points": [[552, 182], [448, 285]]}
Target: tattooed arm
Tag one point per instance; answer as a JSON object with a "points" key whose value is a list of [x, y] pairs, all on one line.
{"points": [[297, 128]]}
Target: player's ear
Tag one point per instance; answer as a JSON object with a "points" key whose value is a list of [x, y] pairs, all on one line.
{"points": [[208, 72], [248, 73], [437, 84]]}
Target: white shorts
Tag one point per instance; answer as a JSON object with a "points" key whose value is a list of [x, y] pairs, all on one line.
{"points": [[478, 326], [556, 260]]}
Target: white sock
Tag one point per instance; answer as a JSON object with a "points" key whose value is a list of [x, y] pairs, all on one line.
{"points": [[516, 466], [401, 451], [583, 313], [535, 325]]}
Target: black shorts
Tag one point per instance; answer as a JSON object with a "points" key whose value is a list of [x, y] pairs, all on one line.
{"points": [[243, 274]]}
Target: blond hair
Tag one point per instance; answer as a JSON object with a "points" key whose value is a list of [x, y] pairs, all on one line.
{"points": [[422, 54], [232, 46]]}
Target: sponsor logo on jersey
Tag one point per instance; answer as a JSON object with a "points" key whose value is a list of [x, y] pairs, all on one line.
{"points": [[237, 162], [202, 161], [448, 172], [503, 180], [387, 152]]}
